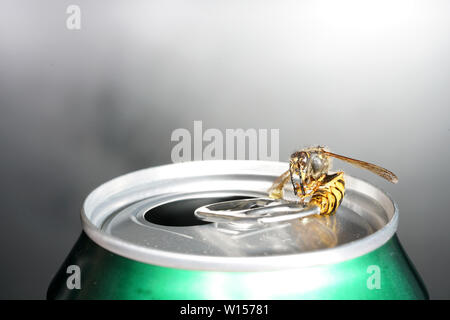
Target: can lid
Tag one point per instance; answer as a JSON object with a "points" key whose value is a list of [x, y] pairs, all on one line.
{"points": [[148, 216]]}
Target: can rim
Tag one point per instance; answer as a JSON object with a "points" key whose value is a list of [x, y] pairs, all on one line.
{"points": [[132, 251]]}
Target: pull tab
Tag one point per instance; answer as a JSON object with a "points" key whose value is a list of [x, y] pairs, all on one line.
{"points": [[249, 213]]}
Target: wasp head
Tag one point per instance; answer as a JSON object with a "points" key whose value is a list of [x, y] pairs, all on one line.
{"points": [[308, 165]]}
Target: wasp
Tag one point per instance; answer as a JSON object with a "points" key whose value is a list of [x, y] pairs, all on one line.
{"points": [[316, 185]]}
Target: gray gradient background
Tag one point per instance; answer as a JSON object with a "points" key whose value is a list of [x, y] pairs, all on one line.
{"points": [[369, 79]]}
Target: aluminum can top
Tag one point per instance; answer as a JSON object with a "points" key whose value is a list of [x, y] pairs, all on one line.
{"points": [[148, 216]]}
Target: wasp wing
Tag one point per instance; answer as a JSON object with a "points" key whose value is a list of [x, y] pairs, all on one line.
{"points": [[384, 173]]}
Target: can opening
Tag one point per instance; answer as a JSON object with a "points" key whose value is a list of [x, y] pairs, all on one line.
{"points": [[180, 213]]}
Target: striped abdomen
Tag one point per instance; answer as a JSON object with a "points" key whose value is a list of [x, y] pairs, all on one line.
{"points": [[330, 194]]}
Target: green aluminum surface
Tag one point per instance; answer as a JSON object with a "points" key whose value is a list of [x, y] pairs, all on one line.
{"points": [[385, 273]]}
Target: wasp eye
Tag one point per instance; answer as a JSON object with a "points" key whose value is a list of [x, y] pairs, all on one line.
{"points": [[316, 164]]}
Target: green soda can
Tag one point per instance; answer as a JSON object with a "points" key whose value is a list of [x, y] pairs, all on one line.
{"points": [[142, 240]]}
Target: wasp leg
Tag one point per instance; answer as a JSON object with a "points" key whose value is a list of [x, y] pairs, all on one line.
{"points": [[295, 186], [317, 184], [330, 193]]}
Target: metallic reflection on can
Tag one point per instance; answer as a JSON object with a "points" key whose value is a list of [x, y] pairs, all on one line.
{"points": [[142, 241]]}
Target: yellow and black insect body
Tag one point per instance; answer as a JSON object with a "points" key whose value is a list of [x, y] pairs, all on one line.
{"points": [[315, 184], [328, 197]]}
